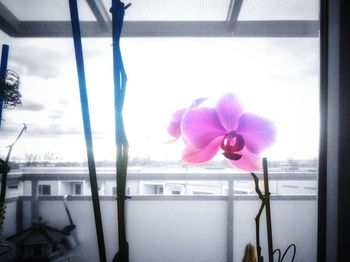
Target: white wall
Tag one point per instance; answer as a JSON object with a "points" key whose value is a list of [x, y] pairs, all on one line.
{"points": [[186, 230], [293, 221], [65, 188], [27, 188], [10, 219], [10, 229], [181, 231]]}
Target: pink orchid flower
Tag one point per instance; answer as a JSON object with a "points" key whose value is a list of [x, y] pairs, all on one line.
{"points": [[174, 128], [241, 136]]}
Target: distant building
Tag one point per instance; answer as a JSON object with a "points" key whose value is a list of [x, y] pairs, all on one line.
{"points": [[53, 181]]}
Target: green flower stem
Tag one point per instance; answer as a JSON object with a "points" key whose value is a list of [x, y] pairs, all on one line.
{"points": [[257, 218], [265, 203], [268, 210]]}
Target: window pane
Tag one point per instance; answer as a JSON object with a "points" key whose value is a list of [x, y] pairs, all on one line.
{"points": [[44, 190], [77, 189], [275, 77]]}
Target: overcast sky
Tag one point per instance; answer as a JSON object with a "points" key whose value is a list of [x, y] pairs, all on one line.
{"points": [[275, 78]]}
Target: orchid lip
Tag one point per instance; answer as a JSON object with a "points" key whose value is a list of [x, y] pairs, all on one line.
{"points": [[231, 149], [232, 133], [232, 156]]}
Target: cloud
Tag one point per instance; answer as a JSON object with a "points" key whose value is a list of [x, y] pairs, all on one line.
{"points": [[39, 57], [45, 58], [52, 130], [32, 106], [56, 115], [8, 130]]}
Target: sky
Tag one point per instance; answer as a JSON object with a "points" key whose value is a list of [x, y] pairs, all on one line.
{"points": [[275, 78]]}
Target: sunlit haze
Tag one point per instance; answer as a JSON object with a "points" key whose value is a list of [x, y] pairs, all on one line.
{"points": [[275, 78]]}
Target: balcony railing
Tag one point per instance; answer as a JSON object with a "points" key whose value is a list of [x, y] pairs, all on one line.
{"points": [[179, 228]]}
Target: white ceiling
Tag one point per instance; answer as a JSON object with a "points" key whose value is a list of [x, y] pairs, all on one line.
{"points": [[167, 17]]}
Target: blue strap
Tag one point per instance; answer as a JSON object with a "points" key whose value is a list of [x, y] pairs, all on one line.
{"points": [[118, 10], [3, 68], [87, 127]]}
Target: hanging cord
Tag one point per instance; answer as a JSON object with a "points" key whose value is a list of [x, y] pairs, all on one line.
{"points": [[4, 170], [120, 78], [87, 127], [290, 247], [67, 210], [70, 229]]}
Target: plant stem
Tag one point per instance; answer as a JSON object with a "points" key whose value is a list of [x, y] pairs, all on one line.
{"points": [[118, 10], [265, 202], [257, 218], [268, 210]]}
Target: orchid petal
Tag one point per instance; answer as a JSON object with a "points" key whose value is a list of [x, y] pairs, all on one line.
{"points": [[200, 126], [193, 155], [198, 101], [259, 133], [174, 125], [229, 110], [249, 161]]}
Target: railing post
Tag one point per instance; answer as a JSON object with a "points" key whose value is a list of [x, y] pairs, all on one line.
{"points": [[19, 214], [230, 221], [35, 201]]}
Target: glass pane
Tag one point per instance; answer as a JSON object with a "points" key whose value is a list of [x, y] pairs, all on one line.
{"points": [[179, 10], [42, 10], [256, 10], [174, 206]]}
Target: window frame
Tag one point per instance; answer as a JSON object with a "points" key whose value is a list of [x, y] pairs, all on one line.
{"points": [[74, 191], [41, 189], [334, 167]]}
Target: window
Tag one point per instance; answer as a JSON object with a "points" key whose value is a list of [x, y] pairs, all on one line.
{"points": [[160, 190], [114, 191], [77, 188], [12, 186], [152, 189], [290, 186], [199, 193], [273, 73], [241, 191], [45, 190], [100, 188]]}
